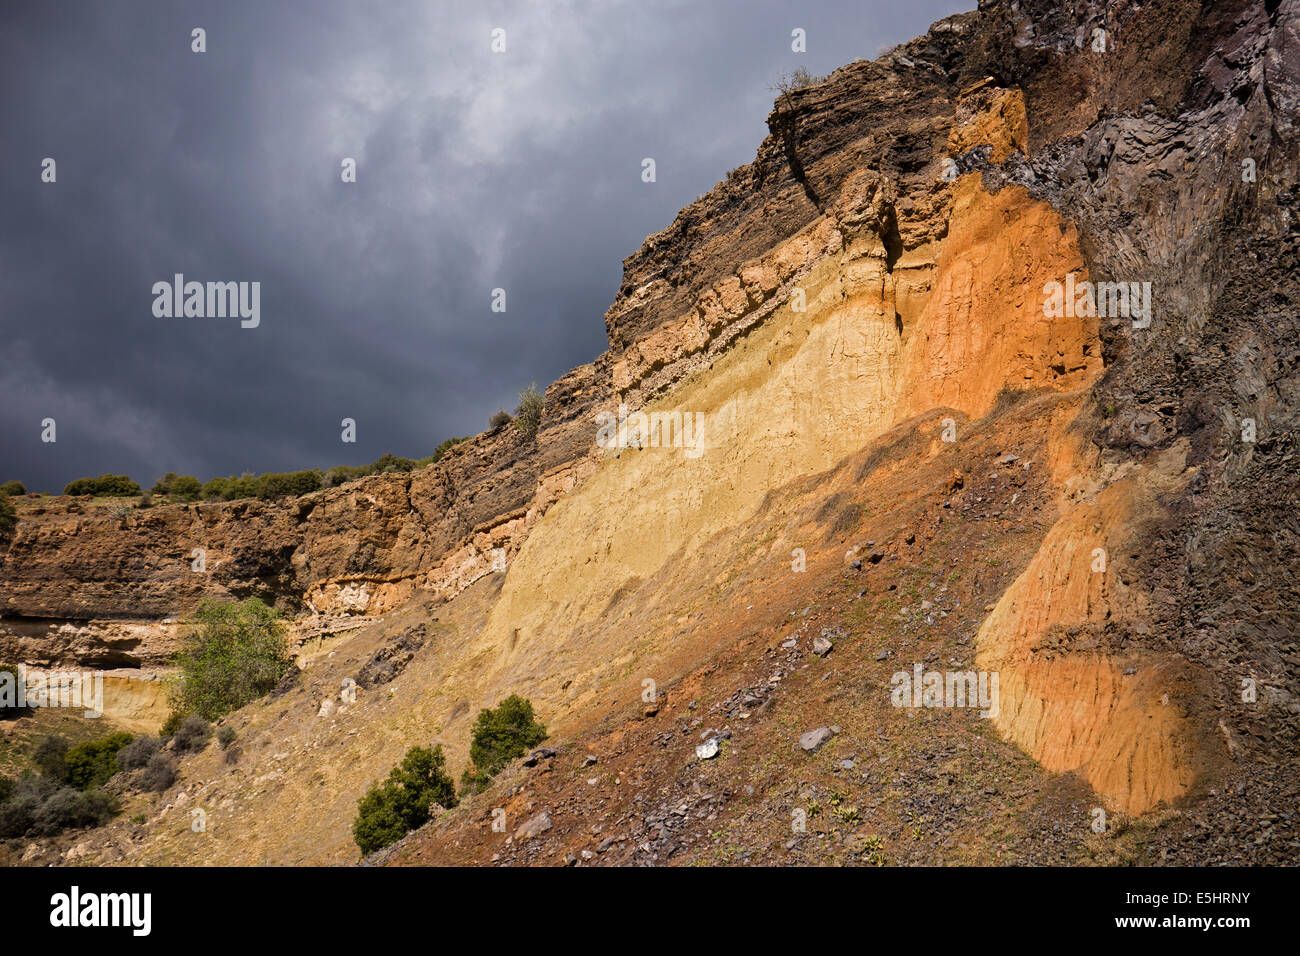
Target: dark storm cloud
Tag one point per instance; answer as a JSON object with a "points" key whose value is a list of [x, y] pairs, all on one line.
{"points": [[475, 171]]}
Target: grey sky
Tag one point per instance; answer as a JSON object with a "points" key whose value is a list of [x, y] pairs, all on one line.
{"points": [[475, 170]]}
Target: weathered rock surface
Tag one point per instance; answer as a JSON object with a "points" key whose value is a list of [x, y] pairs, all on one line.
{"points": [[879, 270]]}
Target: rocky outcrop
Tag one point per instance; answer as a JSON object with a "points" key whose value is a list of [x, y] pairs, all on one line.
{"points": [[889, 253], [1175, 154], [103, 587]]}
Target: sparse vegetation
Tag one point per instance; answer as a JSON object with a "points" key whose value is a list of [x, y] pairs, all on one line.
{"points": [[9, 692], [1008, 397], [179, 487], [473, 781], [385, 464], [50, 757], [502, 417], [138, 752], [873, 851], [225, 736], [105, 486], [192, 735], [64, 794], [398, 805], [170, 725], [270, 485], [235, 652], [8, 517], [445, 446], [89, 765], [797, 80], [840, 513], [159, 774], [529, 413], [501, 735]]}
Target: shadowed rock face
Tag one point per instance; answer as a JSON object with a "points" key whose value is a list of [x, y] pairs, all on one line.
{"points": [[886, 254]]}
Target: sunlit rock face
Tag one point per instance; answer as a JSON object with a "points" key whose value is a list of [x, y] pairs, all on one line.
{"points": [[886, 258]]}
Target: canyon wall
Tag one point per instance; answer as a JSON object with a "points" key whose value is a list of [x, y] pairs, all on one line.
{"points": [[885, 255]]}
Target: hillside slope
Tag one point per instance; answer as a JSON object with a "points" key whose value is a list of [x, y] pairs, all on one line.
{"points": [[845, 409]]}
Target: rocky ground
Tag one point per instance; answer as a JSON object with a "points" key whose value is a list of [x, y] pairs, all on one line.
{"points": [[806, 734]]}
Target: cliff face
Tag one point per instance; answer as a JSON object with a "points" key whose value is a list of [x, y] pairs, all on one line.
{"points": [[872, 285], [1177, 158], [74, 578]]}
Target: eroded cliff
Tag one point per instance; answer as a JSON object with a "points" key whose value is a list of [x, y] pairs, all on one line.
{"points": [[862, 305]]}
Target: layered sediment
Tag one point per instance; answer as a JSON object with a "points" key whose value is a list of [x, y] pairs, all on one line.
{"points": [[886, 256]]}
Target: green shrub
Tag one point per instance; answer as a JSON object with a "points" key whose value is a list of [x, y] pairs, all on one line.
{"points": [[105, 486], [445, 447], [158, 774], [529, 413], [39, 806], [225, 736], [186, 488], [13, 488], [287, 484], [8, 517], [400, 804], [138, 752], [92, 763], [473, 781], [192, 735], [270, 485], [215, 489], [342, 474], [117, 486], [27, 795], [50, 757], [244, 486], [388, 463], [501, 735], [171, 724], [502, 417], [385, 464], [9, 692], [180, 487], [235, 652], [68, 809]]}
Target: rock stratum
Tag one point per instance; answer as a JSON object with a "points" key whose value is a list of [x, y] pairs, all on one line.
{"points": [[1098, 508]]}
